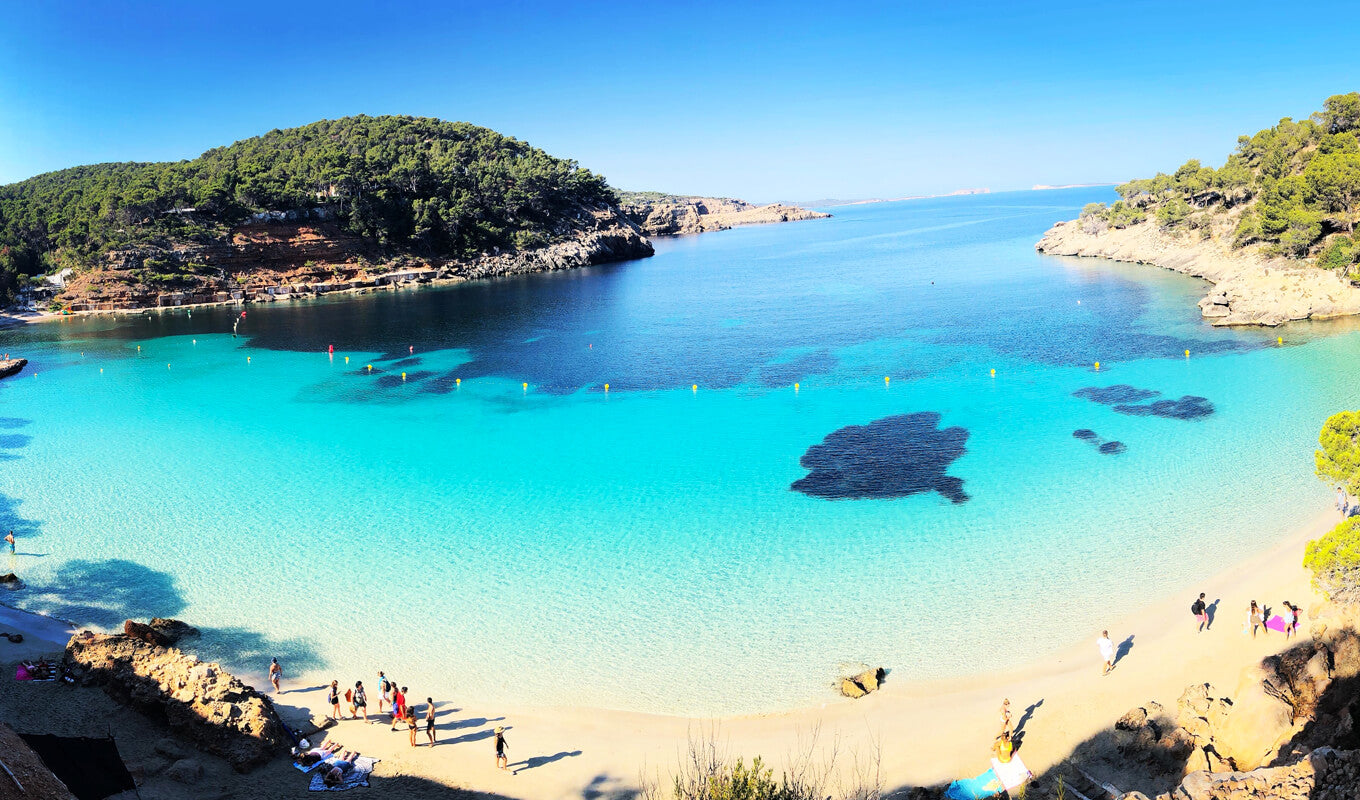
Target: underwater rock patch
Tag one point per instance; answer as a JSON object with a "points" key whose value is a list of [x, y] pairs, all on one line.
{"points": [[1092, 438], [1125, 399], [1188, 407], [1085, 434], [1120, 393], [888, 458], [1112, 448], [784, 373]]}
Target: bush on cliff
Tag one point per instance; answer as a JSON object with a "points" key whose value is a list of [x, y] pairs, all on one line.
{"points": [[1299, 179], [1337, 459], [1334, 561]]}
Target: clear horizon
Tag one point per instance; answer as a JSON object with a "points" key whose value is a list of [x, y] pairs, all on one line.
{"points": [[764, 102]]}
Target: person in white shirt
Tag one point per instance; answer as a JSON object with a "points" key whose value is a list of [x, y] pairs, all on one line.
{"points": [[1106, 651]]}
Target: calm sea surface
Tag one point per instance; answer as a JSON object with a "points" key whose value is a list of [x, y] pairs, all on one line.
{"points": [[720, 549]]}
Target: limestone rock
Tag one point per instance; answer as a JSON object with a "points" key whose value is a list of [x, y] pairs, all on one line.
{"points": [[865, 682], [851, 689], [11, 581], [138, 630], [1250, 286], [186, 770], [669, 215], [12, 366], [172, 630], [171, 749], [200, 702]]}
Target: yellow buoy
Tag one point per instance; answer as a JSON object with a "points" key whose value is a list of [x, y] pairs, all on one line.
{"points": [[1187, 353], [101, 370], [1097, 366], [1279, 340], [370, 367], [795, 387], [139, 348], [346, 359], [458, 381], [993, 373], [606, 388], [525, 385], [694, 387], [403, 376]]}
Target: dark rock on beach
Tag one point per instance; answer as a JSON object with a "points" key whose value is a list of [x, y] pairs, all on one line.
{"points": [[11, 366]]}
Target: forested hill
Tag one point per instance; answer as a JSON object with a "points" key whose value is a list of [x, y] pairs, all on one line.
{"points": [[1292, 190], [400, 185]]}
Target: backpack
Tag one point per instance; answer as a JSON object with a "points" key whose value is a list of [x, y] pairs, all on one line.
{"points": [[1195, 608]]}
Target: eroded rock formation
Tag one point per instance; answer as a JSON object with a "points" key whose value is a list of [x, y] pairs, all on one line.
{"points": [[201, 702], [670, 215]]}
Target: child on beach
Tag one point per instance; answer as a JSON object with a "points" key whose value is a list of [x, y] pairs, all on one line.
{"points": [[1255, 619], [334, 699], [429, 719], [501, 761], [275, 674], [1201, 611], [1106, 651]]}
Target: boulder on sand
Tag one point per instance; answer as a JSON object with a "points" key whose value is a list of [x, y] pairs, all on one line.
{"points": [[859, 685]]}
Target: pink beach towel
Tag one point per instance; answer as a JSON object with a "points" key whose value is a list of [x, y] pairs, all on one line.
{"points": [[1276, 623]]}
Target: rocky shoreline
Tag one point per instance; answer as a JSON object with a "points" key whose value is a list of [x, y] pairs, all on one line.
{"points": [[671, 215], [1249, 287]]}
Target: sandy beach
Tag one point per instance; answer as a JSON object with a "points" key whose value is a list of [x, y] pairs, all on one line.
{"points": [[917, 733]]}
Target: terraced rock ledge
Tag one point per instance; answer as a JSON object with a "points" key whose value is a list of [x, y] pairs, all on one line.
{"points": [[1249, 288]]}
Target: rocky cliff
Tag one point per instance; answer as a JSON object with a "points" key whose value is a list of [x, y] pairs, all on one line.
{"points": [[1249, 287], [200, 701], [673, 215], [285, 259]]}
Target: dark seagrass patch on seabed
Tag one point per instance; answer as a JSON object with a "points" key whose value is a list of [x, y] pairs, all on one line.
{"points": [[888, 458], [1125, 399], [1112, 448], [1092, 438]]}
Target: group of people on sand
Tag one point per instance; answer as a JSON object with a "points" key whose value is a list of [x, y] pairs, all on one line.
{"points": [[391, 696], [338, 769], [1259, 618]]}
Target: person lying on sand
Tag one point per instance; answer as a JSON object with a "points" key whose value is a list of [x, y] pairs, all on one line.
{"points": [[316, 754], [336, 774]]}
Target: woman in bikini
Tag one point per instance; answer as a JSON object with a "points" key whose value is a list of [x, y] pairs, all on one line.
{"points": [[334, 699]]}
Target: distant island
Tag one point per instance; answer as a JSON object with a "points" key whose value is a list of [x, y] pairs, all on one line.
{"points": [[351, 204], [1043, 187], [1273, 228]]}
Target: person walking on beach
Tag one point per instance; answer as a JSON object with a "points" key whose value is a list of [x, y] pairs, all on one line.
{"points": [[1201, 611], [1255, 619], [1006, 715], [275, 673], [1106, 651], [9, 540], [1287, 617], [429, 719], [385, 687], [412, 725], [501, 761], [398, 705], [334, 699], [1341, 501], [360, 701]]}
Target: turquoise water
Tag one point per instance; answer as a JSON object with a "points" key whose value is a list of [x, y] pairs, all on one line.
{"points": [[642, 548]]}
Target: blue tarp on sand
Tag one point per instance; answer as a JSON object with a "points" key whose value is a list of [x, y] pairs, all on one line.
{"points": [[983, 786]]}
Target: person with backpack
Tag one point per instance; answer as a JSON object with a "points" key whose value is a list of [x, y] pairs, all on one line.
{"points": [[360, 701], [1201, 612]]}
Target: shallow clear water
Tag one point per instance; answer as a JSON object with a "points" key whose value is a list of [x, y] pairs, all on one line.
{"points": [[643, 548]]}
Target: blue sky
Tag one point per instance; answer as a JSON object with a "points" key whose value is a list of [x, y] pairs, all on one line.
{"points": [[764, 101]]}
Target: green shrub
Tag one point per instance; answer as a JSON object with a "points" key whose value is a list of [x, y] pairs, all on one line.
{"points": [[1173, 213], [1334, 561], [1339, 254]]}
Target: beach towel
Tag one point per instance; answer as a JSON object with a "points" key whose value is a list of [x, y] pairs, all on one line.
{"points": [[1276, 623], [983, 786], [363, 767], [1013, 773]]}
